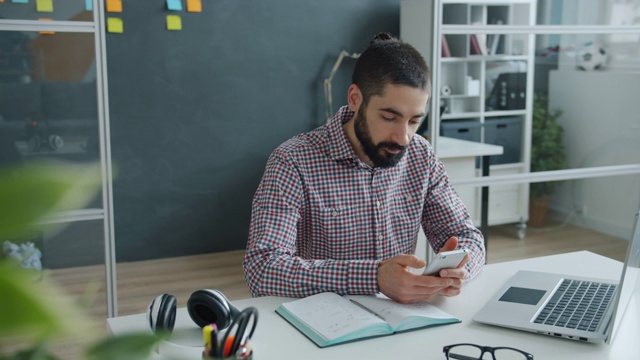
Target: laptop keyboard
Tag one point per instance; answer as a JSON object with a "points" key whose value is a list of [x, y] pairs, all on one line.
{"points": [[577, 305]]}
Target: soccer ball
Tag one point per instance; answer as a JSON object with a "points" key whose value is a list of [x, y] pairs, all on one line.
{"points": [[591, 56]]}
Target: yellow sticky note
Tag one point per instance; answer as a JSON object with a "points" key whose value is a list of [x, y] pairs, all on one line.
{"points": [[44, 5], [115, 25], [194, 5], [114, 5], [174, 22]]}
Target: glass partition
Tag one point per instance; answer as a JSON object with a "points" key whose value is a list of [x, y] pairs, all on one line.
{"points": [[585, 115], [558, 88], [48, 98], [49, 112], [67, 10]]}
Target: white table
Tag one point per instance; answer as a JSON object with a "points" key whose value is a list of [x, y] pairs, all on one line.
{"points": [[275, 338], [459, 157], [449, 148]]}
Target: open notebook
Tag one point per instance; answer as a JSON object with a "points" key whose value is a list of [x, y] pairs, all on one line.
{"points": [[330, 319]]}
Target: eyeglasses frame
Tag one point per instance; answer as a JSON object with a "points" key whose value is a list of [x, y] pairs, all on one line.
{"points": [[485, 349]]}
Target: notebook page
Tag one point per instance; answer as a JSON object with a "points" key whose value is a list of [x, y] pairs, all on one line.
{"points": [[331, 315]]}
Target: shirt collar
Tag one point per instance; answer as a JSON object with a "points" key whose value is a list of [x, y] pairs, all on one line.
{"points": [[339, 145]]}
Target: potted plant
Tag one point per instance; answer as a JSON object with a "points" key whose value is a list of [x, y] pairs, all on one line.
{"points": [[547, 153], [35, 311]]}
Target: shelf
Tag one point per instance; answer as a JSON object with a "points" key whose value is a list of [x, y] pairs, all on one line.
{"points": [[458, 116], [477, 76], [499, 113]]}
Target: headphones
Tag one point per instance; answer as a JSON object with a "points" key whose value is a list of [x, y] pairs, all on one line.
{"points": [[205, 307]]}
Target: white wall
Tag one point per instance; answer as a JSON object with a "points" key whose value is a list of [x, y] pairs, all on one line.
{"points": [[601, 120]]}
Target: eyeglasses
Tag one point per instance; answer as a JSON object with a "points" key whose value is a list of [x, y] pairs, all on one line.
{"points": [[477, 352]]}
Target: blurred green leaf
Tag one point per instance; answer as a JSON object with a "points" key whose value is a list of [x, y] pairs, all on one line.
{"points": [[126, 347], [36, 310], [36, 353], [31, 192]]}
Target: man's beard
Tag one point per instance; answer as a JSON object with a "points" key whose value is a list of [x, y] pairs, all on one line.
{"points": [[376, 152]]}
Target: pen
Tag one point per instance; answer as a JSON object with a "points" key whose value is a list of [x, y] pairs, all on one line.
{"points": [[213, 339], [206, 337], [228, 345], [245, 351]]}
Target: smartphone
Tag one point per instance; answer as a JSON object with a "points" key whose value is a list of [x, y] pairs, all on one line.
{"points": [[445, 260]]}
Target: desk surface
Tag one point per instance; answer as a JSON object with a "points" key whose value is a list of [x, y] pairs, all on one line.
{"points": [[276, 339], [453, 148]]}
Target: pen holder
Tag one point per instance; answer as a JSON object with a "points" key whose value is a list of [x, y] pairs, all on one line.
{"points": [[232, 357], [247, 354]]}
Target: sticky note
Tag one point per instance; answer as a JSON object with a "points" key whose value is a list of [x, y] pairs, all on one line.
{"points": [[44, 5], [174, 22], [114, 5], [88, 5], [175, 5], [115, 25], [46, 32], [194, 5]]}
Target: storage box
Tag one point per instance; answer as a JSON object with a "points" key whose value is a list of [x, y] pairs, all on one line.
{"points": [[462, 129], [506, 132]]}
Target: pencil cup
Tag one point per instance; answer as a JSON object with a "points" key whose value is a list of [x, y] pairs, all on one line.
{"points": [[233, 357], [244, 353]]}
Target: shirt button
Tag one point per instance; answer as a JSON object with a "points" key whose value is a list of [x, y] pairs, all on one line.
{"points": [[378, 203], [380, 237], [409, 198], [334, 213]]}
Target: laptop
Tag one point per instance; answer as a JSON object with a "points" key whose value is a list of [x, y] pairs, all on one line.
{"points": [[577, 308]]}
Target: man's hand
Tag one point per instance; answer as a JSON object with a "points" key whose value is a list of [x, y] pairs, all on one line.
{"points": [[397, 282]]}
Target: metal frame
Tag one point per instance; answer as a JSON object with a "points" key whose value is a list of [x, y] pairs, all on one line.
{"points": [[106, 213]]}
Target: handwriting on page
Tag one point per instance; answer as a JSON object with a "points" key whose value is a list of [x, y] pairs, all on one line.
{"points": [[394, 312], [331, 315]]}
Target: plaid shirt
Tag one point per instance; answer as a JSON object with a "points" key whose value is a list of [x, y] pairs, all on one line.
{"points": [[322, 220]]}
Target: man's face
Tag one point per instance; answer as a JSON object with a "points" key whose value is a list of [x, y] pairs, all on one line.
{"points": [[387, 124]]}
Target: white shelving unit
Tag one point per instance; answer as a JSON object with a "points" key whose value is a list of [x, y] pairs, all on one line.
{"points": [[482, 85]]}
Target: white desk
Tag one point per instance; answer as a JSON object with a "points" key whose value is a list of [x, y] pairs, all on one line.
{"points": [[449, 148], [275, 338], [459, 157]]}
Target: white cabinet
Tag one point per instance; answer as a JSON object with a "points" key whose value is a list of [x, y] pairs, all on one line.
{"points": [[482, 84]]}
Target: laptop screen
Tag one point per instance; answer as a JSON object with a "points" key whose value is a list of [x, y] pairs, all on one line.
{"points": [[629, 280]]}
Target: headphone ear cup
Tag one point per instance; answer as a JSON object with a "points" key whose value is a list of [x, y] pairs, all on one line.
{"points": [[161, 314], [211, 307]]}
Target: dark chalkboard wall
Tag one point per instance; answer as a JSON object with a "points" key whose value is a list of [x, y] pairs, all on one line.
{"points": [[194, 114]]}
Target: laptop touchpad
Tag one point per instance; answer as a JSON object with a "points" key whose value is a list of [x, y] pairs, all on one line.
{"points": [[522, 295]]}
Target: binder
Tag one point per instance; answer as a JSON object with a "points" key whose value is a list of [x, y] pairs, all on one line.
{"points": [[508, 93]]}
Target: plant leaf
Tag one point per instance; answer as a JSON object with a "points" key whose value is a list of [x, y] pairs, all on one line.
{"points": [[30, 192], [35, 353], [33, 311], [125, 347]]}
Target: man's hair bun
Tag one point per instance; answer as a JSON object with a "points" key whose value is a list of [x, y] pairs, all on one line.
{"points": [[383, 36]]}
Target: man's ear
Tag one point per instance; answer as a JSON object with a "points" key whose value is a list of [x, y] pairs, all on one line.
{"points": [[354, 97]]}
